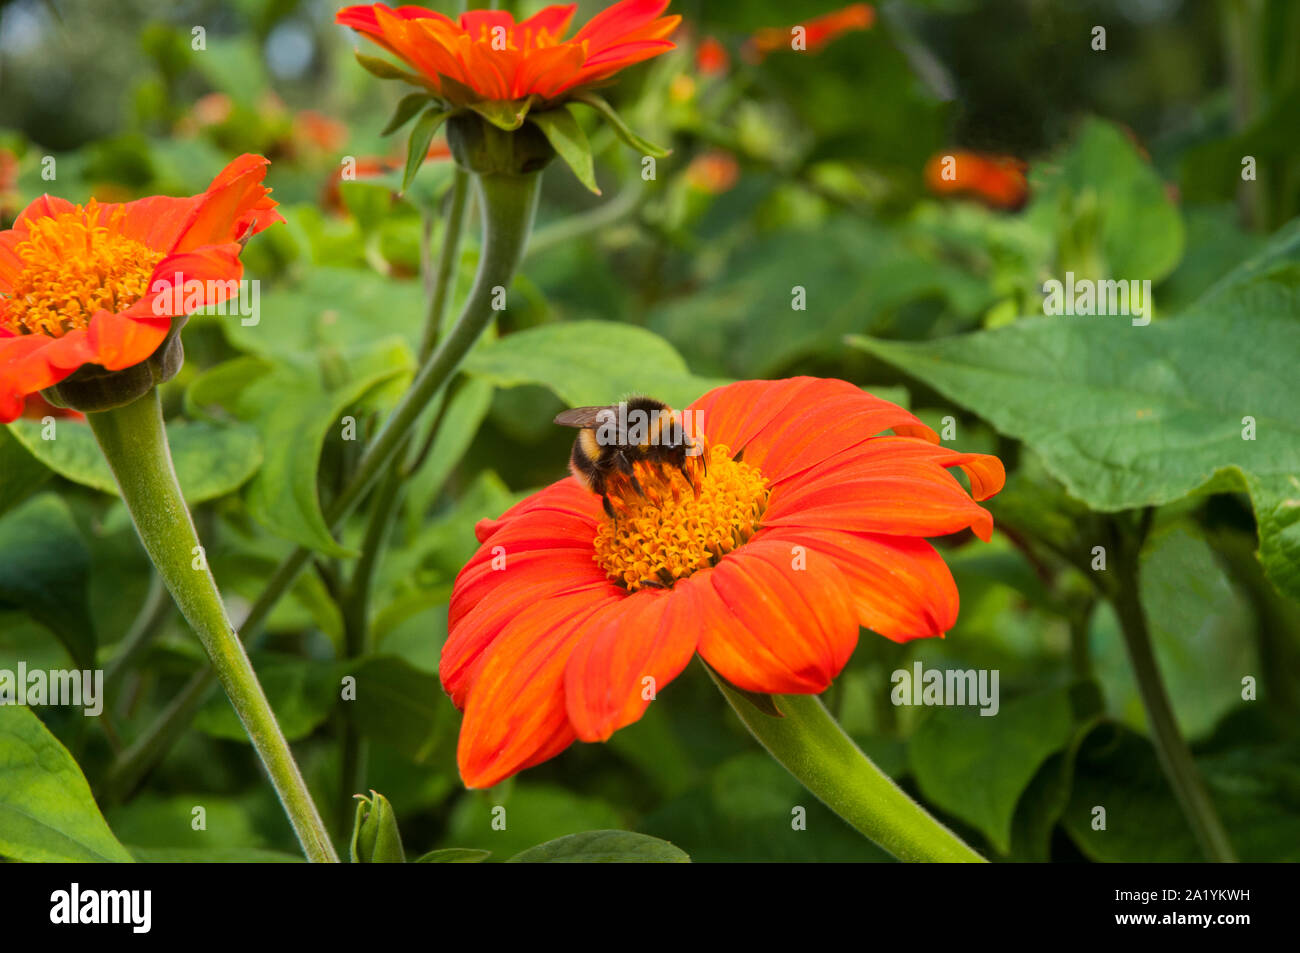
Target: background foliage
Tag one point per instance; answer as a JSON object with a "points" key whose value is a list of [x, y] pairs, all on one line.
{"points": [[670, 286]]}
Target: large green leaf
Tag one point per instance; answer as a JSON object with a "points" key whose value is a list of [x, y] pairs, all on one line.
{"points": [[400, 706], [44, 570], [211, 459], [603, 847], [977, 767], [283, 496], [517, 817], [1130, 416], [46, 810], [589, 362]]}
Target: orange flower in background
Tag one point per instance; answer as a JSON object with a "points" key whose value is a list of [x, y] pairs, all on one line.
{"points": [[711, 57], [998, 181], [713, 172], [99, 284], [805, 524], [486, 56], [818, 32], [372, 167], [8, 182]]}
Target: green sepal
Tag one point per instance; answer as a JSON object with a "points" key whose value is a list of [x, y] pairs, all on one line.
{"points": [[406, 111], [507, 115], [417, 147], [570, 142], [375, 839], [383, 69], [588, 98]]}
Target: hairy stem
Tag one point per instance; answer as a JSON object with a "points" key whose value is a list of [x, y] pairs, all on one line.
{"points": [[134, 442]]}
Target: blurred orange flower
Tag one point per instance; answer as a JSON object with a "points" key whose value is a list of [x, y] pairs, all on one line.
{"points": [[372, 167], [817, 32], [997, 181], [713, 172], [805, 524], [711, 57], [99, 284], [486, 56]]}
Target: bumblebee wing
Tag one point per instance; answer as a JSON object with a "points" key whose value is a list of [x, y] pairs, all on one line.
{"points": [[583, 417]]}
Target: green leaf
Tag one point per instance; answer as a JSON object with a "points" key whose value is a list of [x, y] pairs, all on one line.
{"points": [[407, 107], [532, 814], [383, 69], [21, 474], [603, 847], [1114, 201], [1255, 788], [211, 459], [417, 147], [620, 128], [454, 855], [283, 496], [568, 139], [45, 571], [589, 362], [402, 707], [1129, 416], [375, 838], [977, 767], [464, 415], [47, 813], [212, 855]]}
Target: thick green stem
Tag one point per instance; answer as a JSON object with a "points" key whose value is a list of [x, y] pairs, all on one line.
{"points": [[134, 442], [813, 747], [1174, 755], [509, 204]]}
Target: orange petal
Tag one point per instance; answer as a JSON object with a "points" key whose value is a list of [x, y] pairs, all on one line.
{"points": [[900, 586], [516, 713], [604, 681], [767, 626], [234, 206]]}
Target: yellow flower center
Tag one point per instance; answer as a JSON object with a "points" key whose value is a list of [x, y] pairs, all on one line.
{"points": [[74, 266], [676, 528]]}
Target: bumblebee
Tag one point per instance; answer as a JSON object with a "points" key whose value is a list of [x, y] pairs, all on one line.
{"points": [[612, 440]]}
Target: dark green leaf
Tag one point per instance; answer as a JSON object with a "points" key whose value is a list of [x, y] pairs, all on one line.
{"points": [[45, 571], [454, 855], [603, 847]]}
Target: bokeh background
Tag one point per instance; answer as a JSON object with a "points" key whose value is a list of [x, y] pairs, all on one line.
{"points": [[789, 168]]}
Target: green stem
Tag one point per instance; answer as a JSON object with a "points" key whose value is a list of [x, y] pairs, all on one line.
{"points": [[811, 745], [509, 204], [134, 442], [1174, 755]]}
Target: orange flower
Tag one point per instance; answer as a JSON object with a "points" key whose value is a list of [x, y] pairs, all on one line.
{"points": [[711, 57], [998, 181], [372, 167], [100, 284], [713, 172], [818, 32], [486, 56], [805, 525]]}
